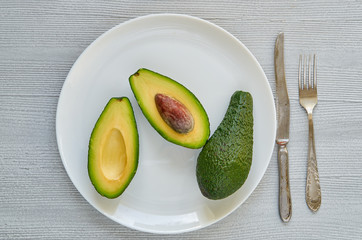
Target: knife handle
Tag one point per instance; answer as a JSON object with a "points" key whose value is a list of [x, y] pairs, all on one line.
{"points": [[285, 201]]}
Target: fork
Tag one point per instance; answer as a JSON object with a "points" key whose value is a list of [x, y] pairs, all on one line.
{"points": [[308, 99]]}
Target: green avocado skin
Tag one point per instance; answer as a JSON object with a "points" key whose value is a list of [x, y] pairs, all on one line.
{"points": [[224, 163]]}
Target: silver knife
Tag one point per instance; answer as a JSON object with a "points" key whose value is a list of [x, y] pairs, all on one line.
{"points": [[282, 137]]}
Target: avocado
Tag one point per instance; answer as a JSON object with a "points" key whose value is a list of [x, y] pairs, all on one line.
{"points": [[113, 149], [224, 162], [172, 110]]}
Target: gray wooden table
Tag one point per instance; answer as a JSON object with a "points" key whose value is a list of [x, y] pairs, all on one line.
{"points": [[39, 42]]}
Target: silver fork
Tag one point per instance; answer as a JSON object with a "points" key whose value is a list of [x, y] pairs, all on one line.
{"points": [[308, 99]]}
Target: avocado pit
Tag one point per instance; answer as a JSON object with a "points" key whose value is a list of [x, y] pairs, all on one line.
{"points": [[174, 113]]}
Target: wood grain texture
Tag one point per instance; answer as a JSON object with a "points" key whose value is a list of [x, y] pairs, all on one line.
{"points": [[39, 42]]}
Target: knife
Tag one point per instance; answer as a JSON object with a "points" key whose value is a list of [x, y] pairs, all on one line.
{"points": [[282, 136]]}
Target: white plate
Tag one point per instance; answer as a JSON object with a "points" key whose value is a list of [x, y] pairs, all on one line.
{"points": [[163, 197]]}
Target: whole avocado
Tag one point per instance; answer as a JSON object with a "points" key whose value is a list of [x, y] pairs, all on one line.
{"points": [[224, 163]]}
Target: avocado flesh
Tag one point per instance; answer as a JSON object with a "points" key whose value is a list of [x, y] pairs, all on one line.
{"points": [[146, 84], [224, 163], [113, 149]]}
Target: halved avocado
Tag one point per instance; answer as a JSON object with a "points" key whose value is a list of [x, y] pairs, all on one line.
{"points": [[172, 110], [113, 149]]}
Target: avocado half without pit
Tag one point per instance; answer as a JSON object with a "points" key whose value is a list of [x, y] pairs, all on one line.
{"points": [[172, 110], [113, 149]]}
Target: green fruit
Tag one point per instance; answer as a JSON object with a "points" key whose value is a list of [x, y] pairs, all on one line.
{"points": [[175, 113], [224, 163], [113, 149]]}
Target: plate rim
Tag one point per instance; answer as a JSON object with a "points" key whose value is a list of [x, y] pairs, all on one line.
{"points": [[141, 18]]}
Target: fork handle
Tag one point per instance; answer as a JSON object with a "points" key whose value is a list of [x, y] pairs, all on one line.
{"points": [[285, 202], [313, 188]]}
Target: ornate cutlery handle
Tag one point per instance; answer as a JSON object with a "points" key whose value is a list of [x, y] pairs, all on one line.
{"points": [[313, 189], [285, 202]]}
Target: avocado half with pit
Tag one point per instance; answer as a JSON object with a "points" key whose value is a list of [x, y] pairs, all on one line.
{"points": [[172, 110], [113, 149]]}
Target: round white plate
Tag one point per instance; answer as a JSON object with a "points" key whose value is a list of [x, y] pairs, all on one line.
{"points": [[163, 197]]}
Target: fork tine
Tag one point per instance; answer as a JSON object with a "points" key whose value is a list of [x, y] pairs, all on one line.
{"points": [[300, 72], [309, 72], [315, 72], [305, 72]]}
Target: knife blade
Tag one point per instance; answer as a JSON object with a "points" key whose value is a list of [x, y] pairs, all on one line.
{"points": [[282, 136]]}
